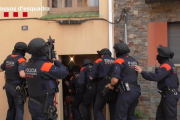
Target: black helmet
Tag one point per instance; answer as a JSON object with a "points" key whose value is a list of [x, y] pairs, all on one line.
{"points": [[121, 48], [38, 47], [20, 46], [104, 51], [165, 52], [86, 62]]}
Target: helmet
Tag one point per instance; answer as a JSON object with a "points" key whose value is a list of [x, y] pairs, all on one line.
{"points": [[38, 47], [104, 51], [86, 62], [165, 52], [20, 46], [121, 48]]}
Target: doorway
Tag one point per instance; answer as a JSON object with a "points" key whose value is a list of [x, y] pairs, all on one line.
{"points": [[69, 61]]}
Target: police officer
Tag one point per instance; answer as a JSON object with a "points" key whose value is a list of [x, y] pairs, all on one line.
{"points": [[78, 95], [14, 66], [41, 78], [167, 82], [88, 87], [125, 78], [100, 69]]}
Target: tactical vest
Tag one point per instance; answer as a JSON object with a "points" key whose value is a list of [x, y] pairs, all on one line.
{"points": [[128, 73], [104, 68], [37, 86], [171, 80], [87, 73], [11, 69]]}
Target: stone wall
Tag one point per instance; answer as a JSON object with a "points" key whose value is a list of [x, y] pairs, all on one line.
{"points": [[139, 15]]}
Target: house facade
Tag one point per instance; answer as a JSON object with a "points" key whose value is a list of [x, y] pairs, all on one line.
{"points": [[150, 23], [26, 20]]}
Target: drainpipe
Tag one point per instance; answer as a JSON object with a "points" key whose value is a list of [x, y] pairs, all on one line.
{"points": [[125, 26], [110, 44], [110, 27]]}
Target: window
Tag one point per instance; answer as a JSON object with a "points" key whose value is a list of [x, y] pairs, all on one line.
{"points": [[174, 41], [166, 34], [60, 6]]}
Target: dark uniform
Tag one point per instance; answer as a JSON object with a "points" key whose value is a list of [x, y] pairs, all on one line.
{"points": [[14, 86], [41, 76], [100, 69], [168, 84], [88, 87], [129, 90], [78, 98]]}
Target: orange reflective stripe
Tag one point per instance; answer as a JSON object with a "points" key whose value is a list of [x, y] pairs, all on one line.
{"points": [[46, 67], [21, 60], [83, 68], [167, 66], [119, 61], [98, 60], [71, 78], [14, 55]]}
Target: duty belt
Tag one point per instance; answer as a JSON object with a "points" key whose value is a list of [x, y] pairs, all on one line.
{"points": [[168, 91], [13, 86], [124, 87], [133, 84]]}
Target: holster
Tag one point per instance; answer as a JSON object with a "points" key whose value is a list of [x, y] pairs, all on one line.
{"points": [[125, 86], [20, 92]]}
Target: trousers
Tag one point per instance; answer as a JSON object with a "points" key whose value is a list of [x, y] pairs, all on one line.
{"points": [[167, 108], [126, 104], [36, 111]]}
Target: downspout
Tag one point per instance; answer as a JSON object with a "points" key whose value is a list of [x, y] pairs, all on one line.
{"points": [[111, 27], [125, 26], [110, 45]]}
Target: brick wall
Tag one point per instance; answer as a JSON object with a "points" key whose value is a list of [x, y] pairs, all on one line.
{"points": [[139, 15]]}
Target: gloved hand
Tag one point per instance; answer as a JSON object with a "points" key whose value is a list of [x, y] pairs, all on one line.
{"points": [[156, 68], [53, 54]]}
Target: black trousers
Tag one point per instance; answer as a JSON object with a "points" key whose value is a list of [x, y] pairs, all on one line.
{"points": [[88, 99], [36, 111], [167, 109], [101, 101], [126, 104], [78, 98]]}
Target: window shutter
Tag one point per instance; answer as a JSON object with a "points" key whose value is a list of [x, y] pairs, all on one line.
{"points": [[157, 35], [174, 41]]}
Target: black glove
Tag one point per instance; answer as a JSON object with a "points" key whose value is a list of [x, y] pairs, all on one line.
{"points": [[53, 54]]}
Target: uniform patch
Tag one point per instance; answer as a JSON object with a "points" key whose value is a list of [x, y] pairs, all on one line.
{"points": [[24, 64]]}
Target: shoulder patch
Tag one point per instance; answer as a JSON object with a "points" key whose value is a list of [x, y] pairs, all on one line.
{"points": [[98, 60], [46, 66], [83, 68], [71, 78], [20, 60], [167, 66], [119, 61]]}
